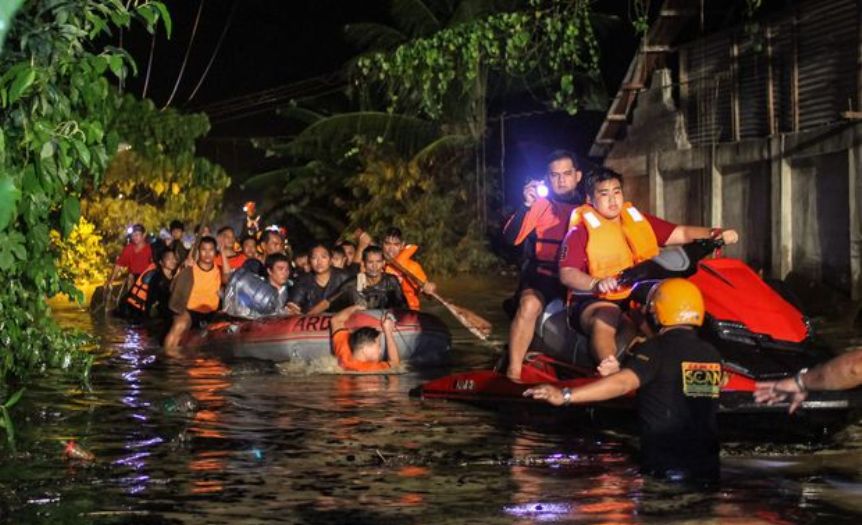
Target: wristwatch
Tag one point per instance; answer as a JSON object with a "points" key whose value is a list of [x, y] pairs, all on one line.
{"points": [[798, 379], [567, 396]]}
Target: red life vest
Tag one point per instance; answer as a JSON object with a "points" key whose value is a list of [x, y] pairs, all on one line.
{"points": [[138, 294], [549, 219], [614, 246]]}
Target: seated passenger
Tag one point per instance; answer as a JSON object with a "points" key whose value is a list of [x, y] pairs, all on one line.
{"points": [[321, 283], [609, 235], [250, 296], [136, 257], [301, 264], [349, 248], [395, 250], [248, 245], [270, 242], [229, 259], [194, 294], [151, 292], [361, 350], [371, 288], [339, 258]]}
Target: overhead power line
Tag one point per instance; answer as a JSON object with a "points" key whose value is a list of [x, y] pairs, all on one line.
{"points": [[215, 51], [186, 58]]}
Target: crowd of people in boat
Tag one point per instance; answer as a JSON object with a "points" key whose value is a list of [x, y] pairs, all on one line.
{"points": [[187, 281], [577, 233]]}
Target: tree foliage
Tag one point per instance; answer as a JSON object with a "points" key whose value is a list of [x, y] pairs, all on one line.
{"points": [[158, 177], [551, 39], [55, 107]]}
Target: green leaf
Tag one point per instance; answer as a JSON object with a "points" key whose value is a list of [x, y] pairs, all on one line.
{"points": [[115, 62], [47, 150], [9, 403], [23, 80], [83, 152], [70, 215], [9, 195], [166, 16]]}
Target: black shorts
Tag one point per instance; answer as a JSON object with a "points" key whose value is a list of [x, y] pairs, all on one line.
{"points": [[576, 309], [548, 286]]}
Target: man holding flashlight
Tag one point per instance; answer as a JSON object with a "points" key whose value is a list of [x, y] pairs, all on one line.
{"points": [[540, 225]]}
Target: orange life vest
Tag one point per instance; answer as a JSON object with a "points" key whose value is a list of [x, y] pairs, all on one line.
{"points": [[410, 290], [548, 219], [205, 287], [138, 294], [614, 246]]}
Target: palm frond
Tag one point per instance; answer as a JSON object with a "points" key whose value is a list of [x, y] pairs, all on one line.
{"points": [[414, 18], [373, 36], [444, 145], [300, 114]]}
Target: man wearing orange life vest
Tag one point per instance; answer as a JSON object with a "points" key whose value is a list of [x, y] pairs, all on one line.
{"points": [[540, 226], [395, 250], [607, 236], [195, 294]]}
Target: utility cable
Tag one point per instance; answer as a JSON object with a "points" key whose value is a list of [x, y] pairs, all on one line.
{"points": [[215, 52], [186, 58], [149, 66]]}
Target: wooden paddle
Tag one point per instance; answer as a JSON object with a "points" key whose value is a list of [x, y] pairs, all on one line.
{"points": [[476, 324]]}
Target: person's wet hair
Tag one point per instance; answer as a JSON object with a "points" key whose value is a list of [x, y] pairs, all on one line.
{"points": [[177, 225], [599, 176], [393, 232], [347, 243], [338, 250], [322, 246], [275, 258], [370, 250], [264, 237], [208, 240], [362, 337], [560, 154], [224, 229]]}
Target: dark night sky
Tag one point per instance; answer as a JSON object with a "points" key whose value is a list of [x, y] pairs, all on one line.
{"points": [[275, 43]]}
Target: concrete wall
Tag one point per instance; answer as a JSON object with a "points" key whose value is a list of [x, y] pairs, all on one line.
{"points": [[794, 197]]}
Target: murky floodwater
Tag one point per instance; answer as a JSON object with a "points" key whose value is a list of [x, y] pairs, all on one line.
{"points": [[314, 448]]}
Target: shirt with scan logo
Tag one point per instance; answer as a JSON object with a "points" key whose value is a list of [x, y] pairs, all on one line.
{"points": [[680, 377]]}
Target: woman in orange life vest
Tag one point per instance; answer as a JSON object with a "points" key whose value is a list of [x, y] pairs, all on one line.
{"points": [[395, 249], [195, 293], [607, 236], [540, 225], [152, 289]]}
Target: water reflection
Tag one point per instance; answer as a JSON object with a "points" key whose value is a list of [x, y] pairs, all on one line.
{"points": [[322, 448]]}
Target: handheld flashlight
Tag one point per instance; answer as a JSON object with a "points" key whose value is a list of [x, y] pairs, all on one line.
{"points": [[245, 209], [542, 190]]}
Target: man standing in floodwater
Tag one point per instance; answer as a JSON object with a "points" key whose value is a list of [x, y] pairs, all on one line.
{"points": [[540, 225], [678, 381]]}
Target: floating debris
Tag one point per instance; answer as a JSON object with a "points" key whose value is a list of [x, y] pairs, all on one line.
{"points": [[76, 451], [183, 403]]}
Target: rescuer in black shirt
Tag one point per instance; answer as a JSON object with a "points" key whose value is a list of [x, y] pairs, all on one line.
{"points": [[678, 380]]}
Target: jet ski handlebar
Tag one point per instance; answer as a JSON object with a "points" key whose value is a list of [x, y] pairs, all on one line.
{"points": [[676, 261]]}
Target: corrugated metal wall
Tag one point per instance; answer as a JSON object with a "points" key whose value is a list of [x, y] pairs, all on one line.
{"points": [[707, 105], [827, 47], [823, 39]]}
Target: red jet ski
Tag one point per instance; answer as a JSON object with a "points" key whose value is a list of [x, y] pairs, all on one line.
{"points": [[759, 333]]}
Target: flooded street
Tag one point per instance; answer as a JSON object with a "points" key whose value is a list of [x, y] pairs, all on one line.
{"points": [[265, 446]]}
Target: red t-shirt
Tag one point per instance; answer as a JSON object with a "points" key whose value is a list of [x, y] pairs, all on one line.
{"points": [[573, 252], [136, 262], [342, 351], [234, 261]]}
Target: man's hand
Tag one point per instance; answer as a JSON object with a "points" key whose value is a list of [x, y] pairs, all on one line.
{"points": [[429, 288], [363, 240], [387, 323], [293, 309], [730, 236], [531, 193], [607, 285], [772, 392], [549, 393], [608, 366]]}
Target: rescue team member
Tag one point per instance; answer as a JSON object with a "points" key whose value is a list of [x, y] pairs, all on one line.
{"points": [[609, 235], [322, 282], [361, 350], [151, 291], [229, 259], [395, 249], [270, 242], [540, 225], [194, 294], [839, 373], [371, 288], [136, 256], [678, 380]]}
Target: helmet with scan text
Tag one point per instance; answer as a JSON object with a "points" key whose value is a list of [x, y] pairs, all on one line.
{"points": [[676, 302]]}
